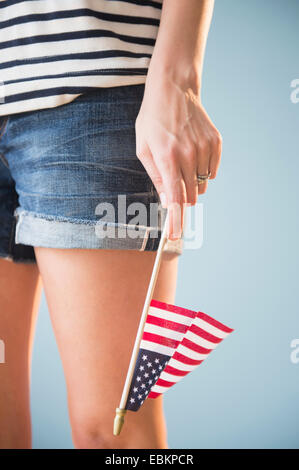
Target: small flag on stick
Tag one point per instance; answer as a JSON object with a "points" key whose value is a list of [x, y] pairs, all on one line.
{"points": [[174, 342], [171, 342]]}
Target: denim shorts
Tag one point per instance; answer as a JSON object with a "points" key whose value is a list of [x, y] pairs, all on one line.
{"points": [[70, 178]]}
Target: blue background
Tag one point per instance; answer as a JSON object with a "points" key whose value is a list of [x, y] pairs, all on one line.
{"points": [[246, 394]]}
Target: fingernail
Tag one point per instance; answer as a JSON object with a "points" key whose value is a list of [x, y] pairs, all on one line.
{"points": [[163, 199]]}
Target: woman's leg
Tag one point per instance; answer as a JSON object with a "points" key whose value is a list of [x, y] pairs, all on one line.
{"points": [[95, 299], [20, 289]]}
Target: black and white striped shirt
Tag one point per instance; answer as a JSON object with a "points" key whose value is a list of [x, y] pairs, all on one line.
{"points": [[51, 51]]}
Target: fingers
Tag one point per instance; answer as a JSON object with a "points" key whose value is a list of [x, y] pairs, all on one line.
{"points": [[216, 151], [209, 155], [189, 173], [174, 175], [170, 188], [147, 160], [203, 163], [175, 192]]}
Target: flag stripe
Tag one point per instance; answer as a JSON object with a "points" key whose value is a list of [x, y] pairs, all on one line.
{"points": [[186, 359], [187, 343], [180, 366], [198, 342], [155, 347], [209, 328], [204, 334], [159, 389], [167, 377], [154, 394], [172, 370], [214, 322], [168, 324], [171, 316], [170, 334], [169, 342], [173, 308], [164, 383]]}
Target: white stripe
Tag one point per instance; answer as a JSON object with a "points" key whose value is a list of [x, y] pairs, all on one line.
{"points": [[189, 353], [71, 46], [175, 317], [98, 5], [150, 346], [79, 23], [180, 365], [200, 341], [209, 328], [166, 332], [170, 377], [158, 389], [65, 66]]}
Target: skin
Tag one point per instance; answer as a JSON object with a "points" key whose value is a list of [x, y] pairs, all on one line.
{"points": [[175, 147], [94, 300], [95, 337], [20, 290]]}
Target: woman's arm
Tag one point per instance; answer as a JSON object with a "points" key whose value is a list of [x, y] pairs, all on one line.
{"points": [[175, 138]]}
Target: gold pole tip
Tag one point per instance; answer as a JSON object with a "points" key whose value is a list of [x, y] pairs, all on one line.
{"points": [[118, 421]]}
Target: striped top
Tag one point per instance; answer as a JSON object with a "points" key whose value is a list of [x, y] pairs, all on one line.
{"points": [[51, 51]]}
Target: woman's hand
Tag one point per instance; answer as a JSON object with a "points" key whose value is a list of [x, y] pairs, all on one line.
{"points": [[176, 141]]}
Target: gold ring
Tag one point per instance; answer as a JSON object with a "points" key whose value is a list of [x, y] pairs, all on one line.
{"points": [[202, 178]]}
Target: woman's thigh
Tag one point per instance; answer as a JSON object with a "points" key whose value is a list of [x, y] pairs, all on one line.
{"points": [[20, 290], [95, 299]]}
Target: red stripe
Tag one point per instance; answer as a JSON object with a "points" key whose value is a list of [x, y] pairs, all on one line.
{"points": [[164, 383], [173, 308], [195, 347], [170, 325], [173, 371], [204, 334], [171, 343], [214, 322], [186, 360], [153, 395]]}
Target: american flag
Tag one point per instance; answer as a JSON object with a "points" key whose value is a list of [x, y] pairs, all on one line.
{"points": [[174, 342]]}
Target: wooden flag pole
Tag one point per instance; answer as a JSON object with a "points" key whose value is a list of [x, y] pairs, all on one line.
{"points": [[121, 411]]}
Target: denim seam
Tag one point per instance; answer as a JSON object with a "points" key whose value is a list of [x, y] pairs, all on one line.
{"points": [[74, 196], [24, 213]]}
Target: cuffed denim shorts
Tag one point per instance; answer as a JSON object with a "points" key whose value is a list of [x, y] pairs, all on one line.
{"points": [[70, 178]]}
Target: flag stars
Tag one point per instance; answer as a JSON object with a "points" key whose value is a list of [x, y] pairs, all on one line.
{"points": [[149, 364], [132, 400], [153, 371], [146, 375], [141, 368], [135, 389], [157, 361], [144, 357], [138, 379], [139, 396], [160, 367], [142, 385], [150, 382]]}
